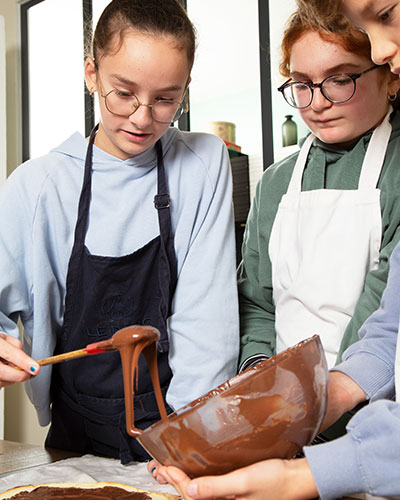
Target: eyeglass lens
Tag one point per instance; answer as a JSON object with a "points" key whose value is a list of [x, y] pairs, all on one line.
{"points": [[337, 88], [164, 111]]}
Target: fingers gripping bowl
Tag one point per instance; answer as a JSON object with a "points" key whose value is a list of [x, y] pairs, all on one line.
{"points": [[268, 411]]}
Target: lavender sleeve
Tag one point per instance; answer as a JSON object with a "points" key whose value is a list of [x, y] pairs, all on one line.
{"points": [[365, 460]]}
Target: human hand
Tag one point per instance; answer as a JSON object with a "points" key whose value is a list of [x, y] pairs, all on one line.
{"points": [[273, 479], [343, 395], [153, 467], [15, 365]]}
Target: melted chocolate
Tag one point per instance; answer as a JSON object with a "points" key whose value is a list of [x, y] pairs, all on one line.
{"points": [[269, 411], [131, 342], [104, 493]]}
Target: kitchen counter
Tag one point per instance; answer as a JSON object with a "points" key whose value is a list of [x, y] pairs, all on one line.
{"points": [[32, 464], [22, 464], [17, 456]]}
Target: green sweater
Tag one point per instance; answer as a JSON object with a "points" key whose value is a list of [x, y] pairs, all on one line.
{"points": [[329, 168]]}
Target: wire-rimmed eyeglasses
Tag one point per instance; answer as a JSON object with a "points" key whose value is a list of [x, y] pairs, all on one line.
{"points": [[336, 88], [124, 104]]}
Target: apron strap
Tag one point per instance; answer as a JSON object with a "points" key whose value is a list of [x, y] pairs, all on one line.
{"points": [[297, 176], [162, 203], [81, 225], [84, 200], [375, 155], [162, 200], [372, 163]]}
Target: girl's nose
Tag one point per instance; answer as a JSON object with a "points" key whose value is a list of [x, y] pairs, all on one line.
{"points": [[319, 102], [142, 117], [383, 50]]}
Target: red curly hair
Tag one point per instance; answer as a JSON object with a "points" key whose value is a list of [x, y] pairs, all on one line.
{"points": [[347, 37]]}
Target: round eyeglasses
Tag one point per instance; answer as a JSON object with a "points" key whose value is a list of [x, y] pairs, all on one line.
{"points": [[162, 110], [335, 88]]}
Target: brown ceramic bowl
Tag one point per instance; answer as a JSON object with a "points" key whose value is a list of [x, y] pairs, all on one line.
{"points": [[268, 411]]}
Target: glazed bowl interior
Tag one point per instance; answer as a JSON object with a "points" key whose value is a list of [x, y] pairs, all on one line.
{"points": [[268, 411]]}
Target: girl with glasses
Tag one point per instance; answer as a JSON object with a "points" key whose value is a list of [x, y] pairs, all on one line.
{"points": [[131, 226], [324, 220], [366, 459]]}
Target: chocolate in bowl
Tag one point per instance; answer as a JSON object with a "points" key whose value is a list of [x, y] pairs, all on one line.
{"points": [[268, 411]]}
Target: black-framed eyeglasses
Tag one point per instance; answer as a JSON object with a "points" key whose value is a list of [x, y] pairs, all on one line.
{"points": [[336, 88], [124, 104]]}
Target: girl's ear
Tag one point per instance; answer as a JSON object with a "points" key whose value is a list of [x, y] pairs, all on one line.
{"points": [[90, 75]]}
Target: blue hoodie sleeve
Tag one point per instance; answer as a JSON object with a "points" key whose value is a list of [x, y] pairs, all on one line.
{"points": [[365, 460]]}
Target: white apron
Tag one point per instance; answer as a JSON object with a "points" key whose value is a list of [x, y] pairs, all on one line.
{"points": [[322, 245]]}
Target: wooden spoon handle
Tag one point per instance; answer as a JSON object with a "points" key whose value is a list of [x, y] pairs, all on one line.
{"points": [[63, 357], [89, 350]]}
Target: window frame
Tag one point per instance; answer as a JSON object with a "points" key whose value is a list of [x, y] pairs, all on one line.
{"points": [[87, 8]]}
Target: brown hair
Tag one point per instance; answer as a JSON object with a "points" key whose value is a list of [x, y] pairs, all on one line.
{"points": [[159, 17]]}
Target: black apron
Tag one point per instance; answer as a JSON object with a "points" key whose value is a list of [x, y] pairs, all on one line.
{"points": [[104, 294]]}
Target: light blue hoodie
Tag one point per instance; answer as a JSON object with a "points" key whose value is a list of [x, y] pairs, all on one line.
{"points": [[38, 207]]}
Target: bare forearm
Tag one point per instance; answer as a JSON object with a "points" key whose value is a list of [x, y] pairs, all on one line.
{"points": [[343, 395]]}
